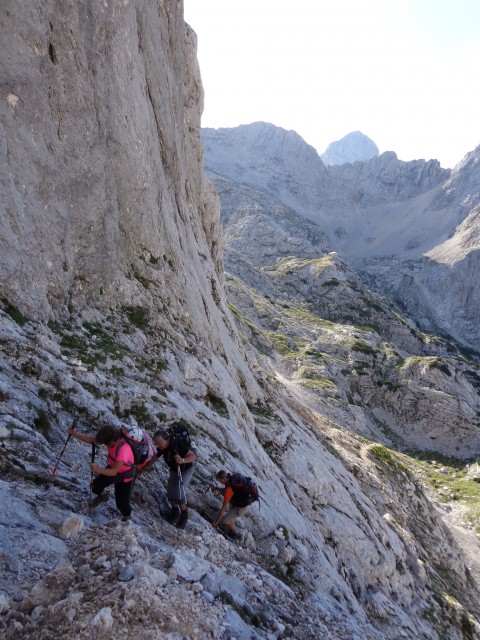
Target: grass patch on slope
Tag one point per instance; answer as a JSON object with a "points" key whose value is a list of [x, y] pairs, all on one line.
{"points": [[286, 265], [447, 478]]}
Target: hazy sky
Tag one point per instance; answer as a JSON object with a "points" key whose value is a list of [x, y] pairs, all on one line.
{"points": [[404, 72]]}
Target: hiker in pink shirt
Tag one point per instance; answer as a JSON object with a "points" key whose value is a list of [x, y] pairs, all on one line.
{"points": [[119, 470]]}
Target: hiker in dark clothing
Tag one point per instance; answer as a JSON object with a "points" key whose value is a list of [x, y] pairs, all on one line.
{"points": [[180, 458], [236, 501], [119, 470]]}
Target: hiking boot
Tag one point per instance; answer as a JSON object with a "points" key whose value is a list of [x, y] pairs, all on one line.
{"points": [[174, 515], [126, 518], [182, 522], [99, 499]]}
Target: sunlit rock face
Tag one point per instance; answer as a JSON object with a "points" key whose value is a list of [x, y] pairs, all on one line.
{"points": [[101, 156]]}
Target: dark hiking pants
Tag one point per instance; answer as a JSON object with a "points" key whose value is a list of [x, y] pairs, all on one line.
{"points": [[176, 487], [122, 492]]}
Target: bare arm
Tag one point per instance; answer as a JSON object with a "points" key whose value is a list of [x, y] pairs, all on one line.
{"points": [[190, 456], [109, 471], [148, 464], [221, 512], [81, 436]]}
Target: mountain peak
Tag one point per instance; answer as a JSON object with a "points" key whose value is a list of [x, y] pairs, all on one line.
{"points": [[353, 147]]}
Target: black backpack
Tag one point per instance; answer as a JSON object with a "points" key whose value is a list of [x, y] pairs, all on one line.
{"points": [[180, 441], [245, 491]]}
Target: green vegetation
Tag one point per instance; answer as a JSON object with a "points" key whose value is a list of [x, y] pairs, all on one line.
{"points": [[91, 388], [314, 352], [413, 360], [300, 316], [467, 626], [372, 304], [389, 458], [331, 282], [360, 371], [161, 365], [383, 454], [104, 342], [138, 316], [392, 386], [42, 422], [319, 384], [280, 343], [447, 477], [14, 313], [260, 409], [227, 598], [217, 404], [140, 413], [294, 264], [312, 379], [235, 311], [432, 362], [170, 262], [74, 342], [145, 282], [93, 346], [363, 347]]}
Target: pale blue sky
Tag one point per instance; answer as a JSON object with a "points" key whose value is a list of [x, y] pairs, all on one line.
{"points": [[404, 72]]}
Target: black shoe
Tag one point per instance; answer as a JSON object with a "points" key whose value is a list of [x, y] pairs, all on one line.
{"points": [[99, 499], [182, 522], [174, 515]]}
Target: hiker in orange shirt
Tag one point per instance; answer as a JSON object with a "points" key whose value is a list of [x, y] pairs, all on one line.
{"points": [[238, 494]]}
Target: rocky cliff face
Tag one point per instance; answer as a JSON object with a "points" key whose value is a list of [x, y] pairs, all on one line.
{"points": [[113, 308], [85, 90]]}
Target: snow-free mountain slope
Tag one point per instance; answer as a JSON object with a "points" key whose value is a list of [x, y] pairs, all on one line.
{"points": [[401, 225]]}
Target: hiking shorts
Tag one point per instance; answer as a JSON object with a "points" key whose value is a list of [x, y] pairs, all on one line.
{"points": [[233, 513], [176, 487]]}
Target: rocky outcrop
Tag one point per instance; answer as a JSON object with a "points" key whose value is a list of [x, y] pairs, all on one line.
{"points": [[383, 378], [262, 229], [248, 153]]}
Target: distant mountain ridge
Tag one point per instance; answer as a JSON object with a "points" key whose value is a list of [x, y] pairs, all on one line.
{"points": [[410, 229]]}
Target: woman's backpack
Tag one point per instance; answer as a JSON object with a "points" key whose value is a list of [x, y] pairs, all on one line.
{"points": [[140, 443]]}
